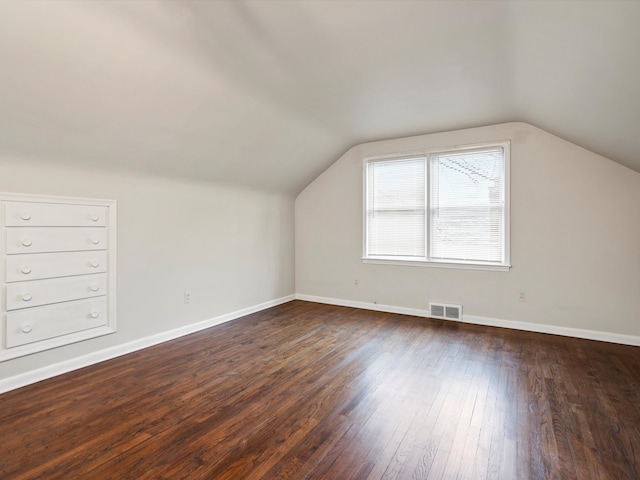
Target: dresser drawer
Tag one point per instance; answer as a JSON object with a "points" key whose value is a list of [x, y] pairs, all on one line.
{"points": [[44, 292], [49, 265], [40, 323], [55, 239], [18, 214]]}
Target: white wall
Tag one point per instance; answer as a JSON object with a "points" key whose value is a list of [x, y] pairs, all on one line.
{"points": [[232, 247], [575, 237]]}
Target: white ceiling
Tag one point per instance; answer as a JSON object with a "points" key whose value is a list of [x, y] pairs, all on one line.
{"points": [[269, 93]]}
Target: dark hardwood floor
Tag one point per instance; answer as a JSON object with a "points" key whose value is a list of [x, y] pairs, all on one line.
{"points": [[314, 391]]}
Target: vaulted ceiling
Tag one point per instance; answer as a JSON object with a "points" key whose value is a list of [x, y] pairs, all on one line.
{"points": [[269, 93]]}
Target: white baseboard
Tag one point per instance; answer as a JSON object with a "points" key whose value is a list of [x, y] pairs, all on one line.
{"points": [[49, 371], [487, 321], [27, 378]]}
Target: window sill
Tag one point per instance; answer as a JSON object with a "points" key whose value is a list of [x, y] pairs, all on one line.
{"points": [[425, 263]]}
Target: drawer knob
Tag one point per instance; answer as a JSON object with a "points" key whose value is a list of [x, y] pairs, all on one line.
{"points": [[25, 216], [95, 240], [26, 328], [95, 263], [26, 297], [94, 287], [94, 314], [94, 217], [26, 270], [26, 242]]}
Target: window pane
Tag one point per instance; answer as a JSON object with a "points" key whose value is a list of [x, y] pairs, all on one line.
{"points": [[396, 217], [467, 206]]}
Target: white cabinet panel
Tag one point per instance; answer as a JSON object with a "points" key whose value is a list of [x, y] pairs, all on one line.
{"points": [[43, 292], [32, 325], [37, 214], [57, 271], [55, 239], [51, 265]]}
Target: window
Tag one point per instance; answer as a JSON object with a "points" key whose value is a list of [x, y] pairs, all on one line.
{"points": [[442, 208]]}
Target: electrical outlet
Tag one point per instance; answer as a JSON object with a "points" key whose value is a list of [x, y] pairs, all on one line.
{"points": [[355, 282], [523, 296], [187, 296]]}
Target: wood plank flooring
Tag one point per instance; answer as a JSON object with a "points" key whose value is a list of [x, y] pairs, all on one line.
{"points": [[309, 391]]}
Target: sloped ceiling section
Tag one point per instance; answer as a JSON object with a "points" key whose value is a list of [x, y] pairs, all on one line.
{"points": [[269, 93]]}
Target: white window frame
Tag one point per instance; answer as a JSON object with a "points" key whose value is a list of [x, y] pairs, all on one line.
{"points": [[429, 262]]}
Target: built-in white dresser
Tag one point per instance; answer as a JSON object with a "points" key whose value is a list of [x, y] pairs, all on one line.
{"points": [[58, 271]]}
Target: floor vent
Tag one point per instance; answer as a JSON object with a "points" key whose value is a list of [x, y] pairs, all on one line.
{"points": [[445, 311]]}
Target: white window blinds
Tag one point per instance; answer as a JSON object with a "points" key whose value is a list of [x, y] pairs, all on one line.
{"points": [[396, 207], [467, 206], [440, 207]]}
